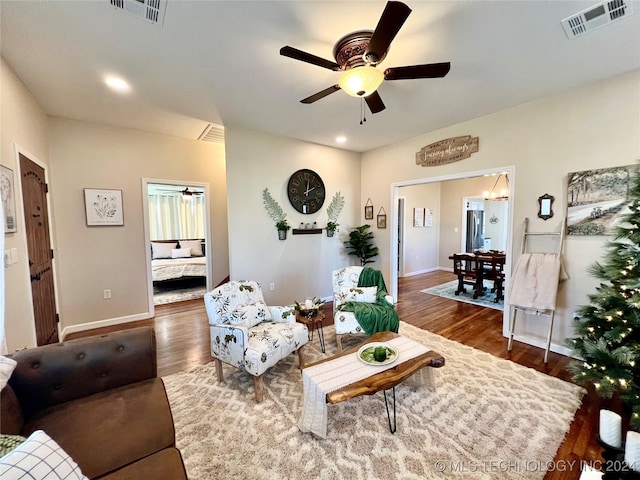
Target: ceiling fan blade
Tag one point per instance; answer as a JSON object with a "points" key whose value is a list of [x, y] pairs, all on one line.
{"points": [[430, 70], [393, 17], [374, 102], [317, 96], [309, 58]]}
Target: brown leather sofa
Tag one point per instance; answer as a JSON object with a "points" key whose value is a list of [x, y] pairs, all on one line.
{"points": [[100, 399]]}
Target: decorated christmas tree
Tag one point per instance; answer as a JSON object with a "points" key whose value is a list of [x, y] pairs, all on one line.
{"points": [[609, 327]]}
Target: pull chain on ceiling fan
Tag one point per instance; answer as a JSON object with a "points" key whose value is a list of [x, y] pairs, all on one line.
{"points": [[359, 53]]}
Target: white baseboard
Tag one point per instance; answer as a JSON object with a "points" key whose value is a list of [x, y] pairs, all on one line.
{"points": [[81, 327], [420, 272], [535, 342]]}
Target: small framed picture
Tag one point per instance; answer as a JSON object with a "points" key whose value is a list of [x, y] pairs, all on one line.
{"points": [[382, 218], [8, 193], [368, 210], [103, 207]]}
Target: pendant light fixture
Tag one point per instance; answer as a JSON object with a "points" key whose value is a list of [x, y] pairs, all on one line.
{"points": [[502, 193]]}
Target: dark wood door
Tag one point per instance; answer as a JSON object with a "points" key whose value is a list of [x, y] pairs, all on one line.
{"points": [[36, 220]]}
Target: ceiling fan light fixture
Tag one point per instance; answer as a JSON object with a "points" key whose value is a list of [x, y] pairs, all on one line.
{"points": [[361, 81]]}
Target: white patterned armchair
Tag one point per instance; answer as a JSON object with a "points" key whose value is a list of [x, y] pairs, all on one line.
{"points": [[345, 288], [248, 334]]}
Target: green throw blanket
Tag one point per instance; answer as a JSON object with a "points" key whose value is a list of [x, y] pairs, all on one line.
{"points": [[374, 317]]}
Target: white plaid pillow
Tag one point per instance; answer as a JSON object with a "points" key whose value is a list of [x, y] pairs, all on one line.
{"points": [[39, 458]]}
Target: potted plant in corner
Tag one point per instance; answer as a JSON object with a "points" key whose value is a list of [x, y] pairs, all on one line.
{"points": [[360, 243], [274, 210], [333, 212]]}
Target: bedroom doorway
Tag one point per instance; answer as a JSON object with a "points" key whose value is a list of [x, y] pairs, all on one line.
{"points": [[176, 230]]}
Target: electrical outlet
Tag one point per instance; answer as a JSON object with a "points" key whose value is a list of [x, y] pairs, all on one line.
{"points": [[107, 294], [272, 286]]}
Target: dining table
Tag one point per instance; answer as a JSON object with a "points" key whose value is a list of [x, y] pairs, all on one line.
{"points": [[487, 265]]}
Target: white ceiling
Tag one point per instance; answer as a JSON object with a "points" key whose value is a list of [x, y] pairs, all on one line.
{"points": [[218, 62]]}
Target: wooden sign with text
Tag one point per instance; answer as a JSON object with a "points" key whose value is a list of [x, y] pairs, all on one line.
{"points": [[447, 151]]}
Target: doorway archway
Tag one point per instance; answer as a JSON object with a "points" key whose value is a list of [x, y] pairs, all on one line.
{"points": [[192, 189], [395, 199]]}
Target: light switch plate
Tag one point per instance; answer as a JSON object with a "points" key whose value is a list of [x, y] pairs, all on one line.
{"points": [[14, 256]]}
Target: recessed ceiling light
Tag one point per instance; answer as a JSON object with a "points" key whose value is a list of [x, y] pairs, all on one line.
{"points": [[117, 84], [341, 139]]}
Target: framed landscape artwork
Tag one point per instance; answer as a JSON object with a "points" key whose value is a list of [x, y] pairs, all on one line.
{"points": [[103, 207], [596, 199]]}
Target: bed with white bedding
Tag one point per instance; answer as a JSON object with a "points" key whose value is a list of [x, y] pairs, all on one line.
{"points": [[177, 260]]}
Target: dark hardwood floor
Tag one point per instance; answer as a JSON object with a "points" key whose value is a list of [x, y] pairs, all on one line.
{"points": [[183, 342]]}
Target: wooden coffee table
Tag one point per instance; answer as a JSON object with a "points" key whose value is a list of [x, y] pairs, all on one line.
{"points": [[384, 380]]}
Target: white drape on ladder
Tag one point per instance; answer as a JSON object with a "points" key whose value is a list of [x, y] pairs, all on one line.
{"points": [[173, 217], [534, 285]]}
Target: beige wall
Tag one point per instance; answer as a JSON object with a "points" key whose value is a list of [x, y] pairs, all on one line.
{"points": [[93, 259], [301, 265], [591, 127], [420, 247], [24, 125]]}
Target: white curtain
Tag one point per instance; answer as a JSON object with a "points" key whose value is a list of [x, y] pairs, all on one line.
{"points": [[174, 217], [3, 340]]}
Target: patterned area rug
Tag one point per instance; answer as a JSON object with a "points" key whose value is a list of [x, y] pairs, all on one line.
{"points": [[161, 297], [488, 418], [447, 290]]}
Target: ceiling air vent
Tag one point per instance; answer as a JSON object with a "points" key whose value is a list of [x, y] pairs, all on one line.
{"points": [[597, 16], [212, 133], [150, 10]]}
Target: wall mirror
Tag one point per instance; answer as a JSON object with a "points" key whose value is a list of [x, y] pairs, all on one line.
{"points": [[545, 204]]}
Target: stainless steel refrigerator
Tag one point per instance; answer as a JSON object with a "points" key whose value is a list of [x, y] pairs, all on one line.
{"points": [[475, 230]]}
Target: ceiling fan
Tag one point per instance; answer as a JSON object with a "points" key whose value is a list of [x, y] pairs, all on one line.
{"points": [[359, 53]]}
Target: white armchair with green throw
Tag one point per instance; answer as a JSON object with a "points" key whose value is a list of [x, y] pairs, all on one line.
{"points": [[361, 303], [248, 334]]}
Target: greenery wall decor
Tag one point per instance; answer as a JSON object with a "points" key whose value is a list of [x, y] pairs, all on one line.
{"points": [[609, 328], [333, 212], [274, 210], [360, 243]]}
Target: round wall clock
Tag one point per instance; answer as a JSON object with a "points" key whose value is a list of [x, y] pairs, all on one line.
{"points": [[306, 191]]}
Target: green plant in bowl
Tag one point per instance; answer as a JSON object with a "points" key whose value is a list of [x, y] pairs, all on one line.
{"points": [[380, 354]]}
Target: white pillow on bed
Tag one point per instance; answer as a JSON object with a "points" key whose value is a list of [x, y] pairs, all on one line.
{"points": [[194, 245], [162, 249], [181, 253]]}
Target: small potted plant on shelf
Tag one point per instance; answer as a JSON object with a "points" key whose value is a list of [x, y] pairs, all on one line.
{"points": [[333, 212], [274, 210]]}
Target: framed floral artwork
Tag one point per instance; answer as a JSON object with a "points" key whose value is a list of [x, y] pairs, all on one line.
{"points": [[103, 207], [8, 193]]}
